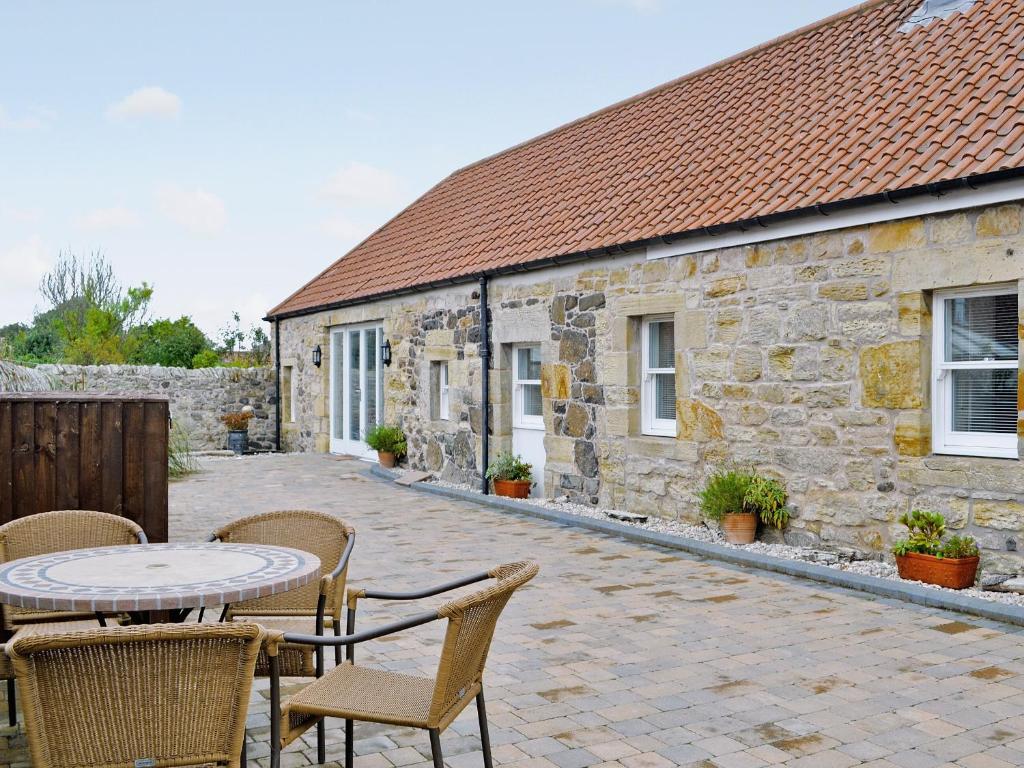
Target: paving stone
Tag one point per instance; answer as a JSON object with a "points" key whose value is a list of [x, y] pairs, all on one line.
{"points": [[616, 656]]}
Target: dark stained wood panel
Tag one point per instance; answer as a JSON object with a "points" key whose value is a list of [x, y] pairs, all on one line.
{"points": [[80, 451]]}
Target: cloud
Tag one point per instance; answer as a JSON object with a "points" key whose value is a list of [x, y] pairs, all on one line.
{"points": [[345, 229], [20, 215], [196, 210], [22, 266], [34, 121], [106, 219], [149, 102], [365, 184]]}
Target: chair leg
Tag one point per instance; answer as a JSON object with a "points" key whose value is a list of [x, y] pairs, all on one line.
{"points": [[350, 747], [243, 759], [485, 736], [321, 742], [12, 705], [435, 748], [337, 648]]}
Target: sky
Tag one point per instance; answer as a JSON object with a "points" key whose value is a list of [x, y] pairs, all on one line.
{"points": [[226, 152]]}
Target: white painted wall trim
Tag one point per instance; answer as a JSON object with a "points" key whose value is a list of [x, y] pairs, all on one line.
{"points": [[990, 194]]}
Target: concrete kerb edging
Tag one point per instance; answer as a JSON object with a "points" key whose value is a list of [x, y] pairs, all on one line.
{"points": [[911, 593]]}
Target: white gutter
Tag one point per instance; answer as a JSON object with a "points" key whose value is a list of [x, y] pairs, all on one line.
{"points": [[959, 199]]}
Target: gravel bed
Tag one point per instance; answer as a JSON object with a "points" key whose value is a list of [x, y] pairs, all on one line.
{"points": [[842, 560]]}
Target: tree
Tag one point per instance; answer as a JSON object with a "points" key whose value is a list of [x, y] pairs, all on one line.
{"points": [[170, 343], [93, 314]]}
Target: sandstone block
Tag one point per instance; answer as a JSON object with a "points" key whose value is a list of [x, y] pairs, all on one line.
{"points": [[711, 364], [914, 317], [555, 381], [747, 364], [890, 236], [725, 286], [999, 221], [697, 421], [758, 256], [891, 376], [1005, 515], [913, 433], [806, 321], [844, 291], [954, 228]]}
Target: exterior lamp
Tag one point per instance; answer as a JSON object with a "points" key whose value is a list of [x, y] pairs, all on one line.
{"points": [[317, 356], [385, 353]]}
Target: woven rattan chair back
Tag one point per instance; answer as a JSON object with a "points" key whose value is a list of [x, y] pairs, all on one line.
{"points": [[471, 622], [58, 531], [156, 695], [316, 532]]}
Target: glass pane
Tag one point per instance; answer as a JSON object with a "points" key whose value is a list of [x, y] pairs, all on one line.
{"points": [[661, 345], [529, 363], [370, 384], [985, 401], [981, 328], [531, 400], [353, 385], [665, 396], [338, 374]]}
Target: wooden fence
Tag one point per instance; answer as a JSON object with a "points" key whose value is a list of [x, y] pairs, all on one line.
{"points": [[84, 451]]}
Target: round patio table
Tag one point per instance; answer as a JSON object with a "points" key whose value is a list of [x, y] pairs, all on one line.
{"points": [[140, 578]]}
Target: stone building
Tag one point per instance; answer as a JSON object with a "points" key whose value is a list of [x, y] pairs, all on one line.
{"points": [[805, 259]]}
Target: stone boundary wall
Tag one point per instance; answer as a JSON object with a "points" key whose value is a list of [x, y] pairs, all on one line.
{"points": [[198, 397]]}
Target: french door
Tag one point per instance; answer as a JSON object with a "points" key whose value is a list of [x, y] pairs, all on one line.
{"points": [[357, 387]]}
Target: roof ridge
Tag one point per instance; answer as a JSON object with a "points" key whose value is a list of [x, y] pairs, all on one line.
{"points": [[768, 44]]}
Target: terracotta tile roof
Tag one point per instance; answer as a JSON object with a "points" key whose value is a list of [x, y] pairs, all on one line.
{"points": [[849, 107]]}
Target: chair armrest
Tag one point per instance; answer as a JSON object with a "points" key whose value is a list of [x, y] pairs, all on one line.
{"points": [[372, 594], [143, 539], [325, 581], [367, 634], [213, 537]]}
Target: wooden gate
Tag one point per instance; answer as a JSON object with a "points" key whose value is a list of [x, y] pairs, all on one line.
{"points": [[85, 451]]}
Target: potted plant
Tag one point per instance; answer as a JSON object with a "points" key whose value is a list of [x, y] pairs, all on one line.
{"points": [[238, 430], [924, 556], [512, 477], [389, 443], [738, 500]]}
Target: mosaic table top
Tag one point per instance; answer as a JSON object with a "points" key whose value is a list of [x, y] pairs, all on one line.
{"points": [[147, 577]]}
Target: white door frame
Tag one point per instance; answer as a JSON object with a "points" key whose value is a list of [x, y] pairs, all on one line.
{"points": [[341, 412], [527, 430]]}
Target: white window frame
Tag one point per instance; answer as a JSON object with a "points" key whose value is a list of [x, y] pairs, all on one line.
{"points": [[944, 439], [521, 420], [443, 404], [650, 425]]}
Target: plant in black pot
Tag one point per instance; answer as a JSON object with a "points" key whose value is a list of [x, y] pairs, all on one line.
{"points": [[512, 477], [237, 423], [389, 443]]}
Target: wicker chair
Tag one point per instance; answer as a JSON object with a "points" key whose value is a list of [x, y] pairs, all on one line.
{"points": [[372, 695], [152, 695], [308, 609], [42, 534]]}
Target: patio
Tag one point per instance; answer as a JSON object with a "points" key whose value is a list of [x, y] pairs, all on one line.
{"points": [[622, 655]]}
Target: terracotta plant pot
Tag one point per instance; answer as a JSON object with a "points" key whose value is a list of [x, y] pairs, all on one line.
{"points": [[514, 489], [386, 459], [741, 528], [953, 573]]}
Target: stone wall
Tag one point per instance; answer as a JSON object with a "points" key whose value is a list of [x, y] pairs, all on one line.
{"points": [[197, 397], [806, 358]]}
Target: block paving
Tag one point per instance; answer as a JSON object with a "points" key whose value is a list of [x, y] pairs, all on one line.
{"points": [[628, 656]]}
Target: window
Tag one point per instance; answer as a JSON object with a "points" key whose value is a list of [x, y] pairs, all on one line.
{"points": [[440, 407], [974, 356], [287, 394], [658, 387], [527, 406]]}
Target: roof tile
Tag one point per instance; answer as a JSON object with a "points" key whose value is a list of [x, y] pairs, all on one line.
{"points": [[851, 106]]}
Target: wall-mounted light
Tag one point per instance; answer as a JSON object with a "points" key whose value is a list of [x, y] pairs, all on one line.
{"points": [[385, 353], [318, 356]]}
